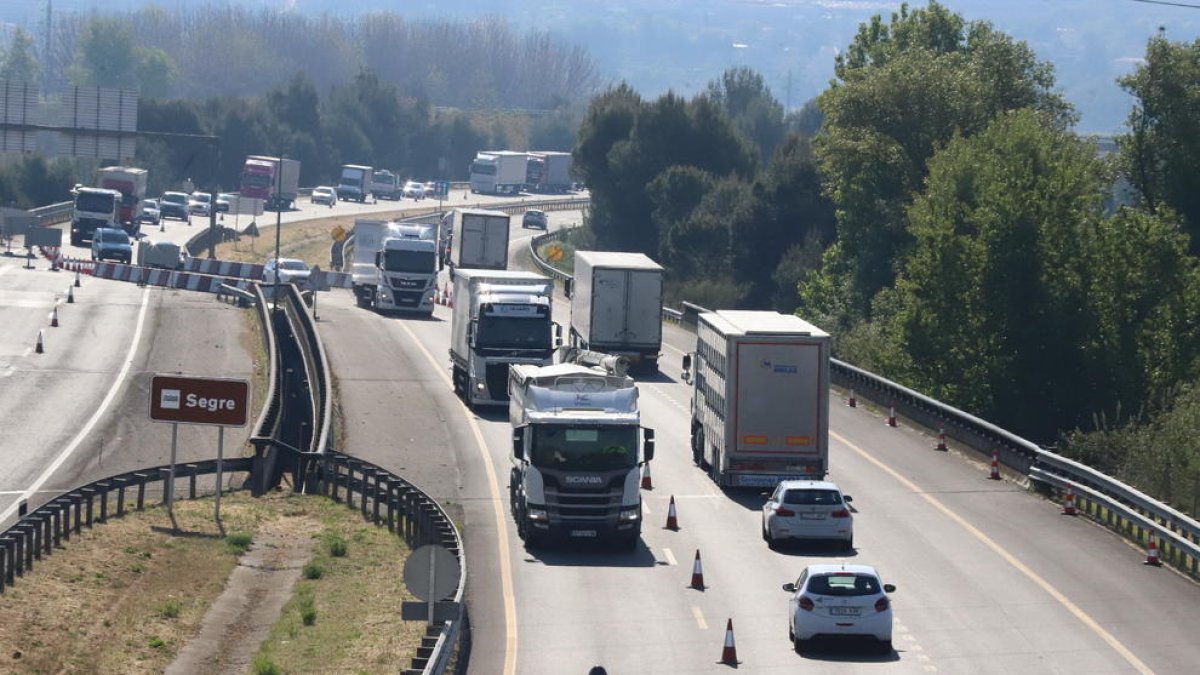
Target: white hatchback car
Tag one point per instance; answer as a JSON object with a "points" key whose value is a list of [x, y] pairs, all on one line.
{"points": [[838, 600], [289, 270], [808, 509]]}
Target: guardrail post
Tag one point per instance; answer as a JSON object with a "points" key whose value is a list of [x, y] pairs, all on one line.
{"points": [[190, 469], [121, 483], [55, 514], [379, 479], [46, 521], [366, 475], [89, 493], [77, 504], [164, 475], [104, 487], [24, 555], [7, 555], [141, 490], [391, 505]]}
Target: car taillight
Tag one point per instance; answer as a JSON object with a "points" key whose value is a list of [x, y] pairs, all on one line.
{"points": [[806, 603], [786, 513], [841, 513], [881, 605]]}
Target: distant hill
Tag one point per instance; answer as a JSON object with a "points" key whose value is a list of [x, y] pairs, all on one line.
{"points": [[682, 44]]}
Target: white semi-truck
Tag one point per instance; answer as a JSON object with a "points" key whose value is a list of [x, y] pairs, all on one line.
{"points": [[93, 208], [478, 238], [500, 318], [548, 171], [575, 462], [393, 266], [499, 172], [616, 306], [760, 398]]}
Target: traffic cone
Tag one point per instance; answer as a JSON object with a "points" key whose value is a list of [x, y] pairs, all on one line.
{"points": [[70, 294], [852, 402], [995, 474], [891, 418], [729, 653], [941, 445], [54, 317], [1152, 553], [697, 573], [672, 521], [76, 276], [40, 350], [647, 484], [1069, 502]]}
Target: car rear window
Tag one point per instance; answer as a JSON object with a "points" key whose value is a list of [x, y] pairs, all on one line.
{"points": [[812, 497], [843, 584]]}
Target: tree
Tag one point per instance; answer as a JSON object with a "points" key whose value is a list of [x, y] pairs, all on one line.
{"points": [[744, 96], [904, 89], [106, 54], [1161, 151], [20, 61]]}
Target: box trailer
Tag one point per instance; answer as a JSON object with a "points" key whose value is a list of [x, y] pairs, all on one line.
{"points": [[616, 306]]}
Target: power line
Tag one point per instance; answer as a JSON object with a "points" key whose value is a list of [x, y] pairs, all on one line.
{"points": [[1167, 2]]}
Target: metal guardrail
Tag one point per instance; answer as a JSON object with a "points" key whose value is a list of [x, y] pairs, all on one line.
{"points": [[1126, 509], [51, 214]]}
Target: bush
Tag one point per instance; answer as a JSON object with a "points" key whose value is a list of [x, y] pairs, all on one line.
{"points": [[337, 545], [170, 609], [313, 570], [239, 542], [265, 666]]}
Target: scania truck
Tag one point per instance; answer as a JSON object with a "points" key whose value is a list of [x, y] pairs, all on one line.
{"points": [[500, 318], [760, 398], [575, 464]]}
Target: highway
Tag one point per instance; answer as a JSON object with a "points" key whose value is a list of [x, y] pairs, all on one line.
{"points": [[990, 578]]}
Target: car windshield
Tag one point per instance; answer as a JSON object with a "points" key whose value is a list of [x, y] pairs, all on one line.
{"points": [[202, 197], [112, 237], [174, 198], [292, 265], [584, 449], [324, 192], [812, 497], [150, 204], [843, 584]]}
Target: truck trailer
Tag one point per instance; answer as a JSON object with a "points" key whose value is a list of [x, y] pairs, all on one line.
{"points": [[500, 318], [548, 171], [275, 181], [760, 398], [616, 306], [131, 182], [575, 465], [496, 172], [478, 239], [354, 183]]}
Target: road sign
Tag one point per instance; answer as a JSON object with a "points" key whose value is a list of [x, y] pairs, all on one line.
{"points": [[338, 233], [199, 400], [431, 573], [251, 229]]}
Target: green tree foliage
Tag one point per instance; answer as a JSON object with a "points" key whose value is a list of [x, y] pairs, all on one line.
{"points": [[19, 61], [748, 102], [108, 55], [902, 90], [1161, 151], [1020, 301]]}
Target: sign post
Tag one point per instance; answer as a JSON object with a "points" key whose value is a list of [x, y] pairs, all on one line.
{"points": [[196, 400]]}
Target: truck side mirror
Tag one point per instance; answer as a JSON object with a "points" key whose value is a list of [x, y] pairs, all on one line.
{"points": [[557, 335], [567, 284], [687, 368], [648, 444], [518, 439]]}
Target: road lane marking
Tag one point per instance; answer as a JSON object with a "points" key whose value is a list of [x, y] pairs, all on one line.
{"points": [[506, 582], [1011, 559], [93, 420], [699, 618], [670, 557]]}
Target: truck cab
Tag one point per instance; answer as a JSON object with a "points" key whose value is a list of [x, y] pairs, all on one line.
{"points": [[94, 208], [575, 463], [406, 270]]}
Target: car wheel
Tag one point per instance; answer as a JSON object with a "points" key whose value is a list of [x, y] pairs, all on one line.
{"points": [[799, 645], [848, 545], [885, 647]]}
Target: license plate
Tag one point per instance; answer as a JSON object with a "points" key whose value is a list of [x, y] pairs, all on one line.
{"points": [[583, 533], [843, 611], [757, 481], [813, 516]]}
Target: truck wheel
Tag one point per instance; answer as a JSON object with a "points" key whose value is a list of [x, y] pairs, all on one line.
{"points": [[629, 542], [697, 445]]}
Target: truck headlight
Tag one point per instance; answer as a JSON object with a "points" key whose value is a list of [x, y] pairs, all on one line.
{"points": [[538, 514], [630, 515], [480, 386]]}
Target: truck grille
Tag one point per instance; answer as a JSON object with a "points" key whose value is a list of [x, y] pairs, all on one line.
{"points": [[590, 502], [407, 297]]}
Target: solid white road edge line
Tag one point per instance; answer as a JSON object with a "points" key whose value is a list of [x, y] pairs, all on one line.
{"points": [[699, 618], [93, 420], [506, 581]]}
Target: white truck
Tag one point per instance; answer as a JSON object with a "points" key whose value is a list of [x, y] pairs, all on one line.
{"points": [[760, 398], [354, 183], [575, 465], [131, 182], [93, 208], [500, 318], [393, 266], [548, 171], [478, 239], [385, 185], [496, 172], [616, 306]]}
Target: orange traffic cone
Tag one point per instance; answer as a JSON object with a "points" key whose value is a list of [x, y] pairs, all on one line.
{"points": [[40, 349], [70, 294], [54, 317], [941, 441], [852, 402], [1152, 553], [1069, 502], [729, 653], [995, 474], [891, 418], [697, 573], [672, 521], [647, 483]]}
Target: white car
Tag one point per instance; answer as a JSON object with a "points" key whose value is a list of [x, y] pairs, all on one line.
{"points": [[323, 194], [414, 190], [290, 271], [838, 600], [199, 203], [808, 509]]}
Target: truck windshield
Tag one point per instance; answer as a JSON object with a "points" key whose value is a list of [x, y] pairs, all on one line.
{"points": [[584, 449], [423, 262], [261, 180], [352, 181], [483, 169], [89, 201], [513, 332]]}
